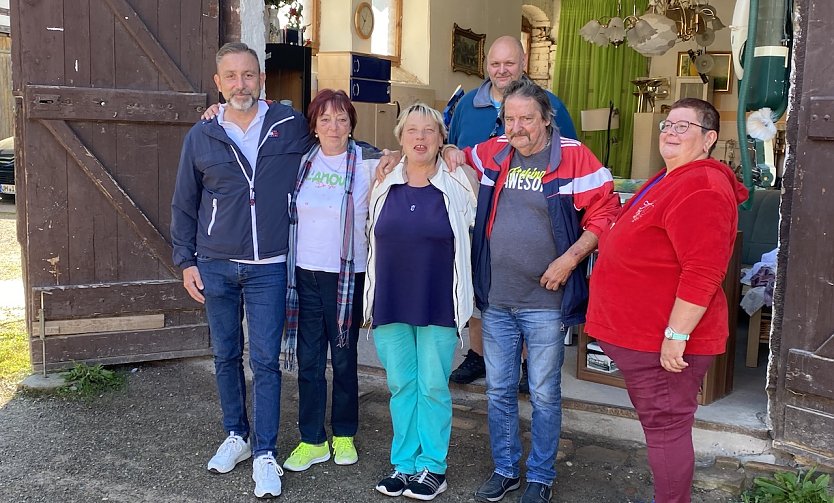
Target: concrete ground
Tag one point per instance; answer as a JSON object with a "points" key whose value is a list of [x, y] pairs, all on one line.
{"points": [[150, 441]]}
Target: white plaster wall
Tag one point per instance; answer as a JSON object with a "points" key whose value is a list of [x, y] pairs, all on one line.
{"points": [[253, 28], [336, 28], [494, 18]]}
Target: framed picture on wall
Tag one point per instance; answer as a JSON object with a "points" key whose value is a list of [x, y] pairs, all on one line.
{"points": [[721, 72], [467, 51]]}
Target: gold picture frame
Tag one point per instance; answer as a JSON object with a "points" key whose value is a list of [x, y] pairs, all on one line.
{"points": [[468, 51], [721, 73]]}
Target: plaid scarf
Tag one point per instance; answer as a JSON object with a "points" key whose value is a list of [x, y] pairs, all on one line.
{"points": [[344, 300]]}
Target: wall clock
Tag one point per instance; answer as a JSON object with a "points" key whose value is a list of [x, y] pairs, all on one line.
{"points": [[363, 20]]}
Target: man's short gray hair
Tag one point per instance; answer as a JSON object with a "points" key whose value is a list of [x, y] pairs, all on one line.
{"points": [[236, 48], [526, 88]]}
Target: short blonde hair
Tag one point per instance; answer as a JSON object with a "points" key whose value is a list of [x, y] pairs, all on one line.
{"points": [[422, 110]]}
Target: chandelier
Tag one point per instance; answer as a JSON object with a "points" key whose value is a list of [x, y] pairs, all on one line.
{"points": [[665, 23]]}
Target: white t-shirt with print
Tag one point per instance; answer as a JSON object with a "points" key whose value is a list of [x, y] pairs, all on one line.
{"points": [[320, 211]]}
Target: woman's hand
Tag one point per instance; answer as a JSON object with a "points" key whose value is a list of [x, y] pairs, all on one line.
{"points": [[671, 356], [211, 112]]}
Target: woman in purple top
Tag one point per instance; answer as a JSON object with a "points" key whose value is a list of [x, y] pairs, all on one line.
{"points": [[418, 295]]}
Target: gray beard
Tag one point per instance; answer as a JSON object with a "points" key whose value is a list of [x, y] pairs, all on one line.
{"points": [[242, 107]]}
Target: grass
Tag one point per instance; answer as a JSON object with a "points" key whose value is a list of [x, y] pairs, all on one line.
{"points": [[14, 348], [14, 351], [9, 248]]}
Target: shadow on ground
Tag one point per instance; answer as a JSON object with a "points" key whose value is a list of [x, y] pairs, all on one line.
{"points": [[150, 441]]}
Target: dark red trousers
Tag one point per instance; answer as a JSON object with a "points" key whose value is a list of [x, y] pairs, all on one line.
{"points": [[665, 403]]}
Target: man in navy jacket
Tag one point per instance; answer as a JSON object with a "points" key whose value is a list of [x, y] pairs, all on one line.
{"points": [[229, 228]]}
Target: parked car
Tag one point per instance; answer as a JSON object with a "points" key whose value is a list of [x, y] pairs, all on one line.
{"points": [[7, 167]]}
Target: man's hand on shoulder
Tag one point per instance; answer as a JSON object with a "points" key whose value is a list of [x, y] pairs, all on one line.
{"points": [[193, 283], [387, 163], [453, 156]]}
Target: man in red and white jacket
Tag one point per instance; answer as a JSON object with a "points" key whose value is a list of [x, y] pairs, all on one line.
{"points": [[542, 204]]}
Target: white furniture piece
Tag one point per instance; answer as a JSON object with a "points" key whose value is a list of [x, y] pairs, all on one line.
{"points": [[645, 153]]}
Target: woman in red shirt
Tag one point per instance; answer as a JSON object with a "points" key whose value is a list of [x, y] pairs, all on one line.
{"points": [[656, 305]]}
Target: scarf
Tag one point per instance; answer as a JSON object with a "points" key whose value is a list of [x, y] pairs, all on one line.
{"points": [[344, 298]]}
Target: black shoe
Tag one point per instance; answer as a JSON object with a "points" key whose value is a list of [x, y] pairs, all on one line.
{"points": [[496, 487], [536, 493], [394, 484], [472, 367], [425, 485], [524, 380]]}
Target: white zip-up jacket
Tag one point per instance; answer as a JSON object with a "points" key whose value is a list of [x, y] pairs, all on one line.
{"points": [[460, 205]]}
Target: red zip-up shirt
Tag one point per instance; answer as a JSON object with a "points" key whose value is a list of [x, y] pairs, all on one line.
{"points": [[675, 241]]}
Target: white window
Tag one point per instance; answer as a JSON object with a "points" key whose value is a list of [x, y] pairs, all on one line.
{"points": [[385, 39]]}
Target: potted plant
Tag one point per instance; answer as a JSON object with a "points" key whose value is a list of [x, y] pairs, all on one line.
{"points": [[292, 31]]}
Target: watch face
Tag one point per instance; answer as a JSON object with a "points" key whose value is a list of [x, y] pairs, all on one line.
{"points": [[363, 20]]}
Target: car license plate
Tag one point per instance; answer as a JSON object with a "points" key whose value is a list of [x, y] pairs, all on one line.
{"points": [[6, 189]]}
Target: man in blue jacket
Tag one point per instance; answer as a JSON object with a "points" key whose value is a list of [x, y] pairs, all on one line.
{"points": [[476, 119], [229, 228]]}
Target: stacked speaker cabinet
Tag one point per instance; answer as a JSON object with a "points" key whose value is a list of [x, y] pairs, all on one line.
{"points": [[367, 80]]}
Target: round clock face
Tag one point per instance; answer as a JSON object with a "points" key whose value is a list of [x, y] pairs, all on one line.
{"points": [[363, 20]]}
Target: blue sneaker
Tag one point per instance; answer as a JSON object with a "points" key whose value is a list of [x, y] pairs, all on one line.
{"points": [[496, 487]]}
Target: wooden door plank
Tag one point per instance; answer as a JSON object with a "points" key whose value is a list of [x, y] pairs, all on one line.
{"points": [[810, 374], [191, 38], [114, 299], [108, 104], [810, 430], [100, 325], [103, 146], [135, 70], [121, 347], [41, 24], [138, 221], [135, 26], [77, 63], [210, 31]]}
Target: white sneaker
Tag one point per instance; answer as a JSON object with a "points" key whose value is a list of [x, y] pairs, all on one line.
{"points": [[232, 451], [267, 476]]}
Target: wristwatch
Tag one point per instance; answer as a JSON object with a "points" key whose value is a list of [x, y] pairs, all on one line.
{"points": [[670, 334]]}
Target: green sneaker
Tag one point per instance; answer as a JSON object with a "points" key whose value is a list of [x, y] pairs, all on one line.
{"points": [[306, 455], [344, 452]]}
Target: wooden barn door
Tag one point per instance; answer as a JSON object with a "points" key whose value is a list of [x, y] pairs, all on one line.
{"points": [[105, 91], [802, 406]]}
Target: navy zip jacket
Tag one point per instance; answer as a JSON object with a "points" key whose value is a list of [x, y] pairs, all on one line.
{"points": [[214, 212]]}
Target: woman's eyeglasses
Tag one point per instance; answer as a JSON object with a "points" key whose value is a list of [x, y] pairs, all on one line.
{"points": [[679, 127]]}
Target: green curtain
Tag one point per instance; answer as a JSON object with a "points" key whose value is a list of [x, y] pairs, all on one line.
{"points": [[588, 76]]}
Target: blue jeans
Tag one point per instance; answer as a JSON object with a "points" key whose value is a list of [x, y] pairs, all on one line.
{"points": [[418, 361], [317, 330], [261, 289], [505, 329]]}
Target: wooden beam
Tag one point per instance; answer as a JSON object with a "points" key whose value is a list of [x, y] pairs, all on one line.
{"points": [[122, 347], [113, 193], [99, 325], [119, 105], [112, 299], [146, 40]]}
